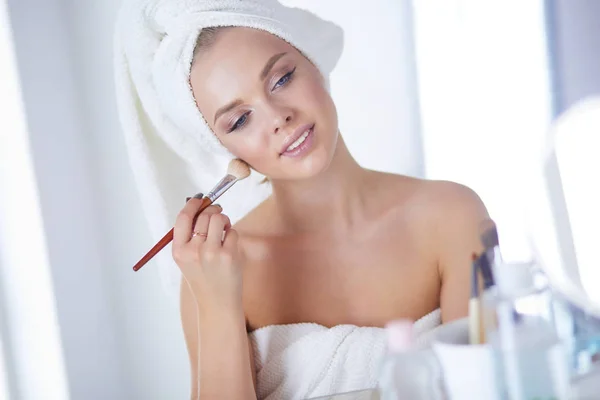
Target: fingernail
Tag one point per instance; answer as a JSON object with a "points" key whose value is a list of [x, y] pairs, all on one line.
{"points": [[198, 196], [187, 199], [218, 205]]}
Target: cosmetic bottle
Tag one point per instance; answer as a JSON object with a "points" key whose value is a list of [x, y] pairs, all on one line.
{"points": [[406, 372]]}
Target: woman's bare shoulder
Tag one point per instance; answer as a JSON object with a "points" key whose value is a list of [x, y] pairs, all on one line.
{"points": [[445, 217], [434, 197], [448, 196], [435, 209]]}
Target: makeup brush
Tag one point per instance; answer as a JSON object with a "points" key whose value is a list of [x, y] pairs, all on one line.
{"points": [[491, 242], [474, 306], [491, 246], [487, 315], [236, 171], [490, 258], [486, 271]]}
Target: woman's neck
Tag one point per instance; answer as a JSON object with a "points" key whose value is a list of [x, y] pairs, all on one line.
{"points": [[334, 199]]}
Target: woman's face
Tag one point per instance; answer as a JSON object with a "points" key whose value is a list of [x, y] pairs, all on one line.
{"points": [[266, 103]]}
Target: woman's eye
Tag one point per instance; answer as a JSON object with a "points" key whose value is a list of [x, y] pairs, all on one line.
{"points": [[239, 123], [284, 79]]}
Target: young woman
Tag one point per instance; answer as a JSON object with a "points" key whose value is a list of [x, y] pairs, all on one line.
{"points": [[334, 244]]}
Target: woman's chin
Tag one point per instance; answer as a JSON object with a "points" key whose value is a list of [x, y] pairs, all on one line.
{"points": [[312, 166]]}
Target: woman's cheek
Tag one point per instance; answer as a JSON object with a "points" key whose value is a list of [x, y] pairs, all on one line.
{"points": [[250, 149]]}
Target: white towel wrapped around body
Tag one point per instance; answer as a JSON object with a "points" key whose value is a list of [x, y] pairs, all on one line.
{"points": [[306, 360]]}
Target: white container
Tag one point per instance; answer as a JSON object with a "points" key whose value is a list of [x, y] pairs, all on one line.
{"points": [[468, 369]]}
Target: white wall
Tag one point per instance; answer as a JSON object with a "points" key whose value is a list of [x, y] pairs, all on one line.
{"points": [[68, 199], [30, 342], [121, 334]]}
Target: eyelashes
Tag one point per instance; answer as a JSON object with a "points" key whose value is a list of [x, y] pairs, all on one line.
{"points": [[284, 79], [242, 121], [239, 123]]}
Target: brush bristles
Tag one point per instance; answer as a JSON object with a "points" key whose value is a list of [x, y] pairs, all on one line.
{"points": [[489, 234], [239, 169]]}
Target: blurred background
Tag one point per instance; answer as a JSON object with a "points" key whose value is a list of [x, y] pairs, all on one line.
{"points": [[463, 90]]}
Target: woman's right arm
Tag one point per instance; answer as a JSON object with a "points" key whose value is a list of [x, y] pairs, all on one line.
{"points": [[211, 309]]}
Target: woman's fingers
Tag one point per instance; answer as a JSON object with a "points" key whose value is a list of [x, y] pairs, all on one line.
{"points": [[211, 264], [230, 241], [202, 221], [186, 219], [201, 227], [216, 226], [185, 222]]}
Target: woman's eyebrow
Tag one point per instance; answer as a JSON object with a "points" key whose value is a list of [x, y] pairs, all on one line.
{"points": [[226, 108], [269, 65]]}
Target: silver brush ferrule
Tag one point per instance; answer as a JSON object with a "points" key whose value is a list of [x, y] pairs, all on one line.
{"points": [[221, 187]]}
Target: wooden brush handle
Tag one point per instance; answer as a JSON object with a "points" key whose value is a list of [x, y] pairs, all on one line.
{"points": [[167, 238]]}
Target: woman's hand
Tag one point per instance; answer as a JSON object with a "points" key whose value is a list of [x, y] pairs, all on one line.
{"points": [[205, 247]]}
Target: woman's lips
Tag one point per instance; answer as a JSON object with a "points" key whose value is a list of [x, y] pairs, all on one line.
{"points": [[301, 145]]}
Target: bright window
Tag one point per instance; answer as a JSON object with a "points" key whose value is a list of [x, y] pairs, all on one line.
{"points": [[485, 97]]}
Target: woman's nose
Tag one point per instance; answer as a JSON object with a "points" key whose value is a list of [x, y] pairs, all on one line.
{"points": [[281, 121]]}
